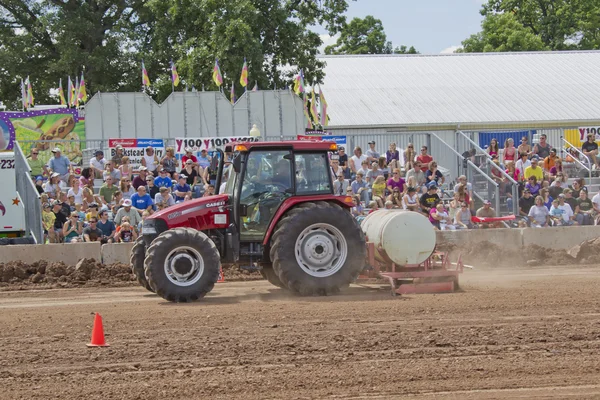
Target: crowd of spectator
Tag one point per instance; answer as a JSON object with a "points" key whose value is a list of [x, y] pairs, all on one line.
{"points": [[73, 211]]}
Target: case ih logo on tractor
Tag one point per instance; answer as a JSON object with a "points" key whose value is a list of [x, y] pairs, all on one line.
{"points": [[278, 212]]}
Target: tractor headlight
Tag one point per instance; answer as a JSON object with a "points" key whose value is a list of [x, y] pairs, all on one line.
{"points": [[149, 228]]}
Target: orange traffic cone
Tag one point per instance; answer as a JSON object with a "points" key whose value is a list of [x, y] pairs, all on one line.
{"points": [[98, 333], [221, 276]]}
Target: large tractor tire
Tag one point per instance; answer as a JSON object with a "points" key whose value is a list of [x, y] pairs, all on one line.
{"points": [[271, 276], [138, 253], [317, 249], [182, 265]]}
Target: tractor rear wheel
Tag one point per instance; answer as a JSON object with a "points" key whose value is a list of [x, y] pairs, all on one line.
{"points": [[271, 276], [138, 253], [317, 248], [182, 265]]}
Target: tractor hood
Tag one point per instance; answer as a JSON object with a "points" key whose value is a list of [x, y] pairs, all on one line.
{"points": [[203, 213]]}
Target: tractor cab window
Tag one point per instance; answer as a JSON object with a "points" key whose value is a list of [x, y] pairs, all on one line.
{"points": [[267, 182], [312, 174], [231, 177]]}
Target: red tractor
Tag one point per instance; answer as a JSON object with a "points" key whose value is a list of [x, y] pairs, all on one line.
{"points": [[277, 211]]}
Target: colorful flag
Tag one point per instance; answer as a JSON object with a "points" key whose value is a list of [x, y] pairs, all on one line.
{"points": [[313, 107], [71, 90], [30, 99], [217, 77], [306, 114], [174, 74], [145, 79], [323, 102], [61, 93], [299, 83], [82, 90], [232, 93], [76, 90], [255, 88], [23, 94], [244, 77]]}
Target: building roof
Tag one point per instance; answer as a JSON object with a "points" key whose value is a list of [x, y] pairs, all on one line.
{"points": [[489, 88]]}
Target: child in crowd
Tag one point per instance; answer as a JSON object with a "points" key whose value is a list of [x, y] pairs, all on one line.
{"points": [[126, 234], [48, 219], [80, 212]]}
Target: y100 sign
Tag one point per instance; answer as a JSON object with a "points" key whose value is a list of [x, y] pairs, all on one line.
{"points": [[587, 130], [208, 143]]}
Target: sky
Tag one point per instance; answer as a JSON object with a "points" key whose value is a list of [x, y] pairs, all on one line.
{"points": [[431, 26]]}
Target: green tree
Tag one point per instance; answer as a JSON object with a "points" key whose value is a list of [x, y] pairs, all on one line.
{"points": [[365, 36]]}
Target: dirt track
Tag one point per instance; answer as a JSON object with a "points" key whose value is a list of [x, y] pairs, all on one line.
{"points": [[511, 334]]}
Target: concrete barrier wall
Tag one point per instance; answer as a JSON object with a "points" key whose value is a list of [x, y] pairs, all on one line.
{"points": [[517, 239]]}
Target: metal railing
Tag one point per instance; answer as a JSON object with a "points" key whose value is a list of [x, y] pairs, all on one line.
{"points": [[29, 196], [589, 162]]}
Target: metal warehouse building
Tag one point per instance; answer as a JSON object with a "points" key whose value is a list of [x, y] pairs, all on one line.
{"points": [[404, 98]]}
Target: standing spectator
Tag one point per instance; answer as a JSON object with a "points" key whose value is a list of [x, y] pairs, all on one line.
{"points": [[125, 169], [126, 234], [409, 156], [525, 203], [150, 161], [521, 165], [169, 162], [534, 170], [117, 159], [125, 186], [141, 201], [359, 187], [539, 215], [430, 199], [181, 189], [542, 149], [424, 159], [128, 211], [396, 182], [373, 173], [564, 210], [107, 227], [48, 219], [590, 149], [60, 164], [340, 185], [112, 172], [72, 228], [357, 159], [343, 159], [586, 209], [164, 197], [107, 191], [462, 218], [510, 152], [487, 212], [37, 167], [190, 171], [140, 179], [164, 180], [59, 220], [550, 161], [524, 147], [372, 154], [92, 233], [433, 174], [98, 164]]}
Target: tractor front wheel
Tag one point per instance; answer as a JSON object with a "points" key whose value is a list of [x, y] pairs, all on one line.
{"points": [[138, 253], [271, 276], [182, 265], [317, 248]]}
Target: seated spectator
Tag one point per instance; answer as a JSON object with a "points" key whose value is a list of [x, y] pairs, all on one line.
{"points": [[117, 202], [372, 153], [534, 170], [59, 220], [433, 174], [126, 234], [409, 155], [80, 213], [141, 178], [92, 212], [117, 159], [198, 187], [487, 212], [151, 188], [141, 200], [357, 160], [533, 186], [169, 163], [439, 218], [570, 200], [48, 218], [525, 203], [379, 191], [126, 169], [468, 187], [389, 205], [418, 174], [210, 191], [462, 218], [181, 189], [60, 164], [512, 171], [510, 151], [539, 215], [107, 227], [340, 184], [395, 181], [145, 215], [72, 228], [107, 191], [373, 173], [189, 155], [585, 207], [493, 149], [542, 148], [110, 171], [411, 200], [76, 192], [590, 149], [54, 186], [556, 169], [383, 167], [128, 211], [164, 180], [545, 193], [87, 179], [454, 205], [190, 170], [92, 233], [395, 198], [522, 164], [424, 159], [372, 206], [126, 189], [550, 161], [430, 199], [359, 187], [150, 161], [555, 188], [97, 164], [564, 211], [39, 184], [364, 168], [578, 187], [357, 208], [463, 195], [164, 197]]}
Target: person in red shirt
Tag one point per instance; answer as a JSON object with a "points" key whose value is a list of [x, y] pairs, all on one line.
{"points": [[190, 156], [424, 159]]}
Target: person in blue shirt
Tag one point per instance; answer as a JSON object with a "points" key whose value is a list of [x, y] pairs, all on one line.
{"points": [[163, 180], [359, 187], [141, 200], [181, 189], [107, 227], [60, 164]]}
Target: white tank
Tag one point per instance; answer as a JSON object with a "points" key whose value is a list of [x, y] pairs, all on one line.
{"points": [[401, 237]]}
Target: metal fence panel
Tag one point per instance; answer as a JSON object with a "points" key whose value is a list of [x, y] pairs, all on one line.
{"points": [[29, 196]]}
